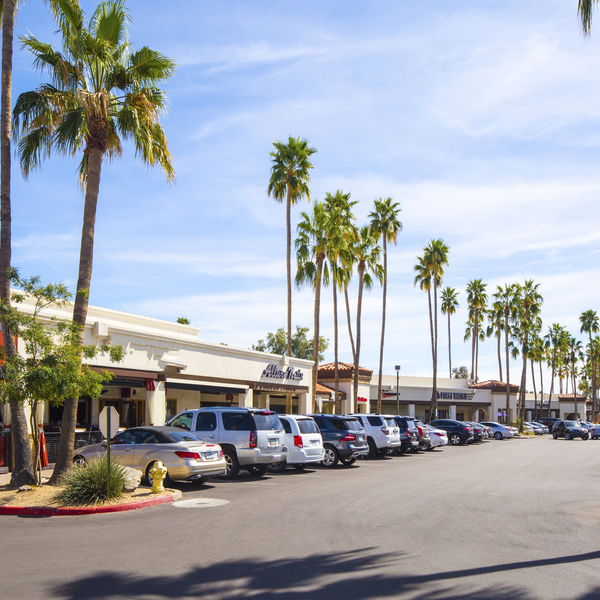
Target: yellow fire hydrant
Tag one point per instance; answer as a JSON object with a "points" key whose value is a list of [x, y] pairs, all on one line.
{"points": [[158, 473]]}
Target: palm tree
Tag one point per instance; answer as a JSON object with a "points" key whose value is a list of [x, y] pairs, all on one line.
{"points": [[101, 93], [504, 300], [290, 175], [430, 270], [366, 253], [495, 327], [339, 207], [528, 307], [477, 301], [536, 355], [554, 338], [449, 306], [385, 224], [589, 324], [575, 355]]}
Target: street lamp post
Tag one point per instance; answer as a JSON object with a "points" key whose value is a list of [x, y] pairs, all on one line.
{"points": [[397, 389]]}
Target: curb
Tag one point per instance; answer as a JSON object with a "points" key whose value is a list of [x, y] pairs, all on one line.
{"points": [[49, 511]]}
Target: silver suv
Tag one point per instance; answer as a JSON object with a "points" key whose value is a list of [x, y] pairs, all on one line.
{"points": [[383, 434], [251, 438]]}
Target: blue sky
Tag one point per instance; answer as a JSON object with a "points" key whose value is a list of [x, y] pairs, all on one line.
{"points": [[481, 119]]}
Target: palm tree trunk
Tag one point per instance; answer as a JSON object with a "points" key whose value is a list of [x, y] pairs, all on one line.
{"points": [[507, 366], [575, 394], [382, 325], [552, 380], [22, 473], [361, 272], [449, 349], [541, 394], [336, 347], [522, 392], [66, 444], [473, 353], [534, 389], [288, 225], [499, 355], [433, 406], [476, 340], [593, 388], [315, 369], [349, 324]]}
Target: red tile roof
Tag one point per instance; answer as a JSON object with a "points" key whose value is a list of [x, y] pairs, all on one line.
{"points": [[326, 391], [327, 371], [572, 397], [494, 385]]}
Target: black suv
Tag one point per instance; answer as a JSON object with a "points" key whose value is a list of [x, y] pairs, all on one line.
{"points": [[548, 422], [344, 439], [409, 435], [458, 431], [569, 430]]}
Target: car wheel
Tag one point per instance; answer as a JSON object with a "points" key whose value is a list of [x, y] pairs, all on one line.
{"points": [[348, 461], [79, 461], [278, 467], [555, 435], [567, 435], [585, 436], [331, 457], [372, 449], [233, 465], [455, 439], [258, 470], [498, 435]]}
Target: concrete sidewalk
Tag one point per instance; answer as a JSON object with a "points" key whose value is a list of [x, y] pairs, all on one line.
{"points": [[46, 472]]}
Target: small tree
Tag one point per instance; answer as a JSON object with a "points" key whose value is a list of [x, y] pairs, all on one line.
{"points": [[302, 347], [48, 368], [460, 373]]}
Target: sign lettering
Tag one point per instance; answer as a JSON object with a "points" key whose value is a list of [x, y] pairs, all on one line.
{"points": [[275, 372], [453, 396]]}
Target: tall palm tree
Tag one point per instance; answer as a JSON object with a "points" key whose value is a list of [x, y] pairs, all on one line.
{"points": [[504, 300], [290, 175], [314, 233], [590, 324], [495, 315], [385, 224], [430, 271], [575, 351], [477, 302], [101, 93], [339, 206], [449, 306], [366, 253], [528, 307], [554, 338]]}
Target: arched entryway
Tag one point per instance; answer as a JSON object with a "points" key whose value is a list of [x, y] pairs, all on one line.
{"points": [[479, 415]]}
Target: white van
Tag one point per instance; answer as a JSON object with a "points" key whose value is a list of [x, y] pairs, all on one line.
{"points": [[303, 440]]}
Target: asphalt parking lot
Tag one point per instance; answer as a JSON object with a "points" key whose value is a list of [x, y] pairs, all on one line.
{"points": [[513, 519]]}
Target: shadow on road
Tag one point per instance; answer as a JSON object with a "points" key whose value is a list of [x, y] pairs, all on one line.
{"points": [[353, 575]]}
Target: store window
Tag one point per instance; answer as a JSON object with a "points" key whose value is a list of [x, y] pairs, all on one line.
{"points": [[171, 408]]}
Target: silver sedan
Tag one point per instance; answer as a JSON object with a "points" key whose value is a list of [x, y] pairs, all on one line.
{"points": [[185, 456]]}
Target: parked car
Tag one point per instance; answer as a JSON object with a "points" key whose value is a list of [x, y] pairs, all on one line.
{"points": [[548, 422], [569, 430], [424, 438], [500, 431], [534, 427], [458, 432], [251, 438], [185, 456], [303, 441], [479, 433], [344, 439], [409, 435], [383, 434], [438, 437], [543, 427], [594, 430]]}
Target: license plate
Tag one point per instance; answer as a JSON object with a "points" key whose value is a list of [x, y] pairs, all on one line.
{"points": [[314, 442], [360, 438], [210, 455], [272, 441]]}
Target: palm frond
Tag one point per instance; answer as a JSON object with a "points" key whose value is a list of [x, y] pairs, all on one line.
{"points": [[148, 67], [109, 22]]}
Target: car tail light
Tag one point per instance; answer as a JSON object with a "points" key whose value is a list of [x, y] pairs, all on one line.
{"points": [[420, 431], [221, 453], [438, 433], [465, 429], [298, 441], [408, 433], [253, 439], [350, 437], [385, 430], [188, 455]]}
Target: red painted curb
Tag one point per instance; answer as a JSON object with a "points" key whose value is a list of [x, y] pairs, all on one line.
{"points": [[49, 511]]}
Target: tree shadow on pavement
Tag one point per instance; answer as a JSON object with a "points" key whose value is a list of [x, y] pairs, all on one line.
{"points": [[352, 575]]}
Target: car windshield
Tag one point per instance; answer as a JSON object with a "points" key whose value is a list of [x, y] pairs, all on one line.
{"points": [[391, 423], [183, 436], [349, 424], [571, 423], [307, 426], [266, 421]]}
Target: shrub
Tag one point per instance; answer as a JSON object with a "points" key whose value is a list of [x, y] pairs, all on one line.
{"points": [[87, 484]]}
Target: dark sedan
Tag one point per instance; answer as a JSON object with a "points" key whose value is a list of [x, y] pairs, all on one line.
{"points": [[458, 432]]}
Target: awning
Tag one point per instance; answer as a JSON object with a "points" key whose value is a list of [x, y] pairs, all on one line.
{"points": [[126, 373], [207, 388]]}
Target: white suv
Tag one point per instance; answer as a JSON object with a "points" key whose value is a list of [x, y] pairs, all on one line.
{"points": [[303, 440], [383, 434], [251, 438]]}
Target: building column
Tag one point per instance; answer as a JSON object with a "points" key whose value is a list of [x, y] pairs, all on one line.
{"points": [[246, 400], [453, 412], [156, 404], [411, 410], [303, 406]]}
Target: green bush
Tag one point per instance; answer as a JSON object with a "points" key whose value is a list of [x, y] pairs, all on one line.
{"points": [[88, 484]]}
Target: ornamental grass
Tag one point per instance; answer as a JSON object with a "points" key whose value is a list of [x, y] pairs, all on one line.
{"points": [[89, 484]]}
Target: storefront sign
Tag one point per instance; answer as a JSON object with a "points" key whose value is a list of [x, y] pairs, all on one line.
{"points": [[276, 373], [361, 399], [453, 396]]}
